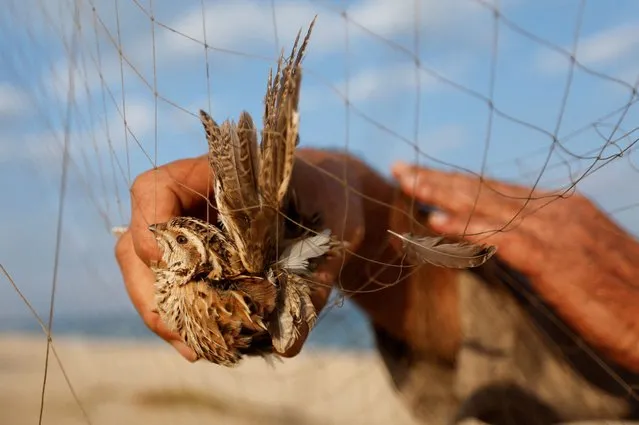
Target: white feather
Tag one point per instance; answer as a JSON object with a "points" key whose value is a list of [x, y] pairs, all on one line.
{"points": [[295, 257]]}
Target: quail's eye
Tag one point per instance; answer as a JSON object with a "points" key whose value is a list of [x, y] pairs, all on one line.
{"points": [[181, 239]]}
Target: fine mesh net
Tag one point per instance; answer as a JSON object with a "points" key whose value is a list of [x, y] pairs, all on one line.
{"points": [[95, 92]]}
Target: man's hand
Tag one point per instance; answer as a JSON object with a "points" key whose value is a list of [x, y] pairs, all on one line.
{"points": [[178, 188], [577, 259], [181, 188]]}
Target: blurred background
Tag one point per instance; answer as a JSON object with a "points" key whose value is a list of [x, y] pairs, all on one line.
{"points": [[94, 92]]}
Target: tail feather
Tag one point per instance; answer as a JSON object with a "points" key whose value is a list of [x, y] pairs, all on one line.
{"points": [[281, 125], [251, 183], [234, 160]]}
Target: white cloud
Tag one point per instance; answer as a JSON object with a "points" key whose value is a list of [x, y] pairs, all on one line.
{"points": [[139, 117], [89, 68], [85, 77], [46, 148], [609, 45], [612, 46], [386, 18], [246, 26], [13, 100], [233, 25], [380, 82], [376, 83]]}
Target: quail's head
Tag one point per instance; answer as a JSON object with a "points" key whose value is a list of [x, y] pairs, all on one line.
{"points": [[190, 246]]}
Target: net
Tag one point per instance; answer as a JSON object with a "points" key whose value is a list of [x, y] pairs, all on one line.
{"points": [[95, 92]]}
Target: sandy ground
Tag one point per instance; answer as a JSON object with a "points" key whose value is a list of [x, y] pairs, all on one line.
{"points": [[126, 382]]}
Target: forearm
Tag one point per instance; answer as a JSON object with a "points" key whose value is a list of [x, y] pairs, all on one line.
{"points": [[416, 304]]}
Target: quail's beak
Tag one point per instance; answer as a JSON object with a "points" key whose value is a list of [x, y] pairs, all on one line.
{"points": [[157, 228]]}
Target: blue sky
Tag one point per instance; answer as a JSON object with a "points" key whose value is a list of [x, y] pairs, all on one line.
{"points": [[371, 68]]}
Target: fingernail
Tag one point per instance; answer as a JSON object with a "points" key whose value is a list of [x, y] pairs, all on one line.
{"points": [[438, 218], [184, 350]]}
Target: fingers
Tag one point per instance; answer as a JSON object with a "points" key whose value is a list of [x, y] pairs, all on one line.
{"points": [[163, 193], [152, 201], [157, 196], [457, 192], [139, 280]]}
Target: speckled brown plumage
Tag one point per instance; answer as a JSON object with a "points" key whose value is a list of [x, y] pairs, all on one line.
{"points": [[241, 287]]}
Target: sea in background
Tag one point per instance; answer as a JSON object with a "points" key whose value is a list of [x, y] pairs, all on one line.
{"points": [[340, 326]]}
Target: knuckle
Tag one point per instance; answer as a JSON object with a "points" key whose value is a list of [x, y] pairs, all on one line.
{"points": [[143, 180], [139, 181]]}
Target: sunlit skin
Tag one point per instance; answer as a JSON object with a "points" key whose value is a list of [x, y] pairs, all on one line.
{"points": [[582, 263]]}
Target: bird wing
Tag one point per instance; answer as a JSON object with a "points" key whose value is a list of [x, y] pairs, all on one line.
{"points": [[233, 156], [251, 183], [280, 137], [295, 310]]}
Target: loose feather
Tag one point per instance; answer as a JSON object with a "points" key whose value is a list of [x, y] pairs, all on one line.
{"points": [[433, 250], [296, 256]]}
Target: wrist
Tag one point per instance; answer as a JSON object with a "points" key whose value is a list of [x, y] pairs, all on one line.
{"points": [[416, 304]]}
